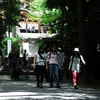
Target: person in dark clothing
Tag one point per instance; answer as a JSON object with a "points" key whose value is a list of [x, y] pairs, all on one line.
{"points": [[25, 57], [19, 67], [13, 61], [47, 71]]}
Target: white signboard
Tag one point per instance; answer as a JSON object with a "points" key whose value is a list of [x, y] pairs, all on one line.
{"points": [[26, 47]]}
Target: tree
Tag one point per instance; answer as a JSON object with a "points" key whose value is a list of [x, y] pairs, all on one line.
{"points": [[61, 5], [12, 13], [38, 11], [65, 22], [65, 15], [92, 27]]}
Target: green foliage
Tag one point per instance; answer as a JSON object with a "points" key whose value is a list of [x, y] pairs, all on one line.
{"points": [[42, 13], [36, 10], [50, 15], [11, 14], [54, 13], [2, 29], [61, 15], [64, 22], [56, 3], [2, 26], [14, 41], [87, 0], [41, 43]]}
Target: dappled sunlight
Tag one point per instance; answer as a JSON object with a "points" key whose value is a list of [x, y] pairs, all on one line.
{"points": [[38, 95], [27, 90]]}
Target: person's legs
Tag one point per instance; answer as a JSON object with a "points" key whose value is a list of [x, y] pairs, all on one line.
{"points": [[56, 73], [37, 78], [41, 81], [37, 70], [47, 75], [40, 74], [41, 78], [61, 75], [51, 74], [25, 62], [12, 72], [17, 71], [74, 79], [78, 78], [74, 74]]}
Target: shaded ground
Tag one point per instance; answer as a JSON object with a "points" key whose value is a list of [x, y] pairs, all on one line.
{"points": [[27, 90]]}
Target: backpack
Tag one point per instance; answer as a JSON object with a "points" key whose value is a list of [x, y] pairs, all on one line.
{"points": [[80, 60], [55, 52]]}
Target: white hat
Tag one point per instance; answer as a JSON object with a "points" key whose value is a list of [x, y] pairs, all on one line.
{"points": [[59, 48], [76, 49]]}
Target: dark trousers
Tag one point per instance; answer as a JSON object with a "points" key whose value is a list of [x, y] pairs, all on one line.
{"points": [[25, 61], [39, 78], [14, 71], [61, 75], [53, 68], [39, 71], [47, 75]]}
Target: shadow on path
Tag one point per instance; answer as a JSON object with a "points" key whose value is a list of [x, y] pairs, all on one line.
{"points": [[27, 90]]}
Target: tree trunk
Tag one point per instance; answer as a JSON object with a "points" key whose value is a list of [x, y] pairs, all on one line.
{"points": [[82, 39], [63, 10], [81, 26], [8, 31]]}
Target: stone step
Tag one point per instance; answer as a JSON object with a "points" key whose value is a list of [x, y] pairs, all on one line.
{"points": [[21, 77], [26, 70], [5, 70]]}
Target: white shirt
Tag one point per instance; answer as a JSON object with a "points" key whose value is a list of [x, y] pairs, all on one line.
{"points": [[39, 60], [75, 63], [61, 60]]}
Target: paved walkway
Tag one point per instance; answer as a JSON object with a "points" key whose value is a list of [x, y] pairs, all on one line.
{"points": [[27, 90]]}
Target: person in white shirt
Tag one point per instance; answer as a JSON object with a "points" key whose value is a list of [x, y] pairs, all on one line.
{"points": [[75, 66], [40, 66]]}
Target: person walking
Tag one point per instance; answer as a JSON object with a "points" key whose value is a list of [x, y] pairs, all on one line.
{"points": [[40, 65], [53, 56], [47, 49], [75, 66], [61, 61], [25, 57], [13, 60]]}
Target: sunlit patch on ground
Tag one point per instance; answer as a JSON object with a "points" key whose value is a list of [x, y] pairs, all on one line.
{"points": [[27, 90], [46, 96]]}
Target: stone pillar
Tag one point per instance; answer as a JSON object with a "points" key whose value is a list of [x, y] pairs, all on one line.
{"points": [[21, 47], [8, 46]]}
